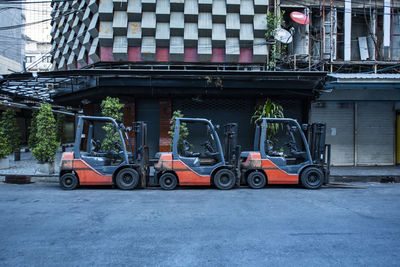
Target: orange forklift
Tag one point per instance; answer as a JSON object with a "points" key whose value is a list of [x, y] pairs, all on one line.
{"points": [[282, 155], [91, 164], [200, 160]]}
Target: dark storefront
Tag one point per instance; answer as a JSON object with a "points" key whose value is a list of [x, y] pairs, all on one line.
{"points": [[220, 95]]}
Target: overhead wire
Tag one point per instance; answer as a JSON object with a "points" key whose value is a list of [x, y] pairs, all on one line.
{"points": [[13, 2]]}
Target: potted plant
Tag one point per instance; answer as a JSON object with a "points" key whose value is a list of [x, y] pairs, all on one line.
{"points": [[46, 147], [269, 109], [11, 132], [110, 107], [4, 151], [183, 132]]}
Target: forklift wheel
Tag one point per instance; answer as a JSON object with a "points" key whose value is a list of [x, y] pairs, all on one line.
{"points": [[127, 179], [256, 180], [224, 179], [312, 178], [168, 181], [69, 181]]}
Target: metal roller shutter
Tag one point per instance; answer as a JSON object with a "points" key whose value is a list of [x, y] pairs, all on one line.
{"points": [[339, 118], [148, 110], [222, 111], [375, 133]]}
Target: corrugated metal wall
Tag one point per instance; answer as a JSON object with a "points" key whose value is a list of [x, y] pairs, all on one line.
{"points": [[222, 111], [339, 118], [361, 133], [375, 133], [147, 110]]}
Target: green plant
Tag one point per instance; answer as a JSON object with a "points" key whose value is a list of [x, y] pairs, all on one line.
{"points": [[269, 109], [4, 147], [274, 22], [183, 131], [10, 129], [60, 127], [32, 130], [46, 142], [111, 107]]}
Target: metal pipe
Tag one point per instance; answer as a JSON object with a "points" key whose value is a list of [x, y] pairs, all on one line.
{"points": [[23, 106], [347, 30], [386, 28], [323, 34], [355, 134]]}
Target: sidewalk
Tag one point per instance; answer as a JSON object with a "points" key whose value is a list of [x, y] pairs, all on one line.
{"points": [[27, 166], [366, 174]]}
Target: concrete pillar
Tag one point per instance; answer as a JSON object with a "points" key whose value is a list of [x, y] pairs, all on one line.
{"points": [[386, 29]]}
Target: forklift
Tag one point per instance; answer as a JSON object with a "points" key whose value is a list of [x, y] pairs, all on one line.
{"points": [[91, 164], [209, 165], [282, 155]]}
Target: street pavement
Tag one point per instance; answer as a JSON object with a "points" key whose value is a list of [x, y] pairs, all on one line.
{"points": [[42, 225]]}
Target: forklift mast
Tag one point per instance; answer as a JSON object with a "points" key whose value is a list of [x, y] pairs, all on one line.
{"points": [[317, 133], [320, 151], [230, 143], [140, 139], [141, 150]]}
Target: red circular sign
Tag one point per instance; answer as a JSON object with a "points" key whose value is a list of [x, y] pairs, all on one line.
{"points": [[299, 17]]}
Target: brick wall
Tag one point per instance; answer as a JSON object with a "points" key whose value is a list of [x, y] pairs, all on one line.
{"points": [[165, 116]]}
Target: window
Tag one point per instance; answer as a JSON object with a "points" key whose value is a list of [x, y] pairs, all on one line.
{"points": [[29, 59], [197, 140]]}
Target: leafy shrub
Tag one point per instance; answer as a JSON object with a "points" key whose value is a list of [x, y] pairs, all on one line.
{"points": [[110, 107], [183, 131], [4, 147], [46, 146], [268, 110], [10, 130]]}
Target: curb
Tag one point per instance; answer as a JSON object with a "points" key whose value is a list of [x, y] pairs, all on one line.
{"points": [[365, 179], [37, 179], [333, 179]]}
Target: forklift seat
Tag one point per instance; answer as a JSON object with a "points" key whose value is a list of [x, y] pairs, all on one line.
{"points": [[191, 161], [94, 161], [279, 161]]}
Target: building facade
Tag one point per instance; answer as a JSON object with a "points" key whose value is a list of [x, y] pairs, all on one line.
{"points": [[11, 39], [37, 32], [219, 59], [37, 56]]}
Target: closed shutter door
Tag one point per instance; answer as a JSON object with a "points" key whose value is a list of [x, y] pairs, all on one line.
{"points": [[222, 111], [339, 118], [375, 133], [292, 108], [147, 110]]}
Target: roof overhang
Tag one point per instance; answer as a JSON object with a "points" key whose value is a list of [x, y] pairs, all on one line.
{"points": [[364, 78], [65, 87]]}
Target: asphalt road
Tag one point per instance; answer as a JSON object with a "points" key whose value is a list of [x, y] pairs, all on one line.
{"points": [[41, 225]]}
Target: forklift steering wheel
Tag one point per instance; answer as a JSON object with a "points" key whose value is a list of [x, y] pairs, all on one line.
{"points": [[291, 145], [116, 155], [118, 145], [208, 146], [95, 145]]}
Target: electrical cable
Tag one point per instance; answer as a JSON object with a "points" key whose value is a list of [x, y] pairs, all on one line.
{"points": [[13, 2], [35, 22]]}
